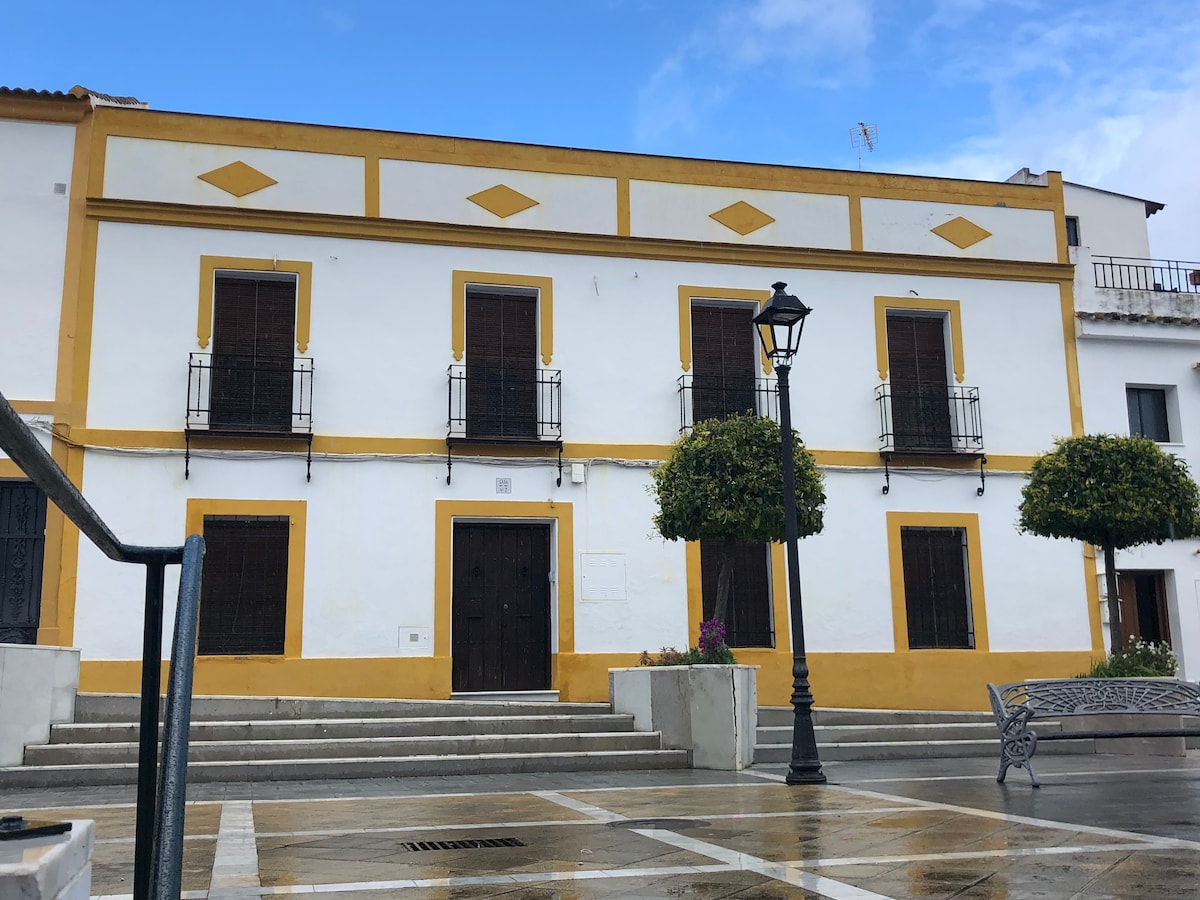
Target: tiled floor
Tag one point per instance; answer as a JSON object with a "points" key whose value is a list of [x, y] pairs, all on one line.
{"points": [[880, 832]]}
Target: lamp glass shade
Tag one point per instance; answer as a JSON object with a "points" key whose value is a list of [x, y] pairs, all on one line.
{"points": [[780, 324]]}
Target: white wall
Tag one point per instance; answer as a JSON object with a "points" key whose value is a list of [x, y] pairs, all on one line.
{"points": [[1109, 224], [906, 226], [33, 239]]}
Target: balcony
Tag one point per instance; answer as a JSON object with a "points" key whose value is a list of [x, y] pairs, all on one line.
{"points": [[943, 421], [703, 398], [231, 395], [1160, 275]]}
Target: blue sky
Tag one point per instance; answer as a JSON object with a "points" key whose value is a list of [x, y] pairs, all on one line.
{"points": [[1107, 91]]}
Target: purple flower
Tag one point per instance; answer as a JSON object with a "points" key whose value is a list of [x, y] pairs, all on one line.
{"points": [[712, 636]]}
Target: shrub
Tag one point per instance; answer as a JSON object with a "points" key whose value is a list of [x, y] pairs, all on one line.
{"points": [[712, 650], [1139, 659]]}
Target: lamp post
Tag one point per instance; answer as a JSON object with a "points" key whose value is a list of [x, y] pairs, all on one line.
{"points": [[780, 325]]}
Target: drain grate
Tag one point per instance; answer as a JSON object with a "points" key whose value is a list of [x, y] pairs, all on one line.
{"points": [[659, 823], [467, 844]]}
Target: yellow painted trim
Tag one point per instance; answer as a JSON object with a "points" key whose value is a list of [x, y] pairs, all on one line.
{"points": [[371, 186], [446, 511], [209, 266], [689, 292], [1093, 601], [950, 307], [9, 469], [57, 110], [856, 225], [480, 237], [297, 513], [458, 314], [34, 407], [1054, 183], [1066, 295], [623, 216], [348, 444], [970, 523], [158, 125], [779, 598]]}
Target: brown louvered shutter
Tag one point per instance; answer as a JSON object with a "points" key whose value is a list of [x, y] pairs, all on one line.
{"points": [[920, 392], [243, 595], [935, 587], [722, 361], [254, 322], [501, 365], [750, 623]]}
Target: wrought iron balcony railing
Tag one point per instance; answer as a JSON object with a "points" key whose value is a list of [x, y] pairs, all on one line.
{"points": [[1163, 275], [703, 398], [234, 394], [504, 404], [943, 420]]}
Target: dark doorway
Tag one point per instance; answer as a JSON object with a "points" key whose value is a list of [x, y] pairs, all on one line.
{"points": [[917, 363], [1143, 598], [936, 596], [501, 365], [22, 543], [501, 607], [749, 620], [243, 594]]}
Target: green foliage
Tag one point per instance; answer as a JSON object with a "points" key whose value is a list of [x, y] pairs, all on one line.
{"points": [[1111, 491], [669, 656], [725, 479], [1138, 660]]}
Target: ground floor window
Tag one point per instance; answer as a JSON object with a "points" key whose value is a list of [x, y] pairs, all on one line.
{"points": [[936, 588], [243, 596], [749, 621]]}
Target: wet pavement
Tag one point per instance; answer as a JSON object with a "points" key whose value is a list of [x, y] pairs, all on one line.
{"points": [[1100, 827]]}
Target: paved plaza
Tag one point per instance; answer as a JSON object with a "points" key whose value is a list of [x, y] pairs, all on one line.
{"points": [[1101, 827]]}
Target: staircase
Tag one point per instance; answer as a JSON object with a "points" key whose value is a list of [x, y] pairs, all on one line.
{"points": [[290, 739], [879, 734]]}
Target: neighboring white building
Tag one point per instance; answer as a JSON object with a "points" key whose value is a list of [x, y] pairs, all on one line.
{"points": [[1138, 323], [486, 347]]}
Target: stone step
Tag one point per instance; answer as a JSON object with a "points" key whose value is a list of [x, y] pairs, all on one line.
{"points": [[323, 729], [379, 767], [844, 734], [127, 708], [288, 752], [881, 750], [772, 716]]}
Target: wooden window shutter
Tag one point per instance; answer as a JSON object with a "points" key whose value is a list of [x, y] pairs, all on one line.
{"points": [[936, 598], [723, 361], [501, 365], [750, 617], [920, 392], [243, 595], [254, 327]]}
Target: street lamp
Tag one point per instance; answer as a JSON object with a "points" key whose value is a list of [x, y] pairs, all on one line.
{"points": [[780, 325]]}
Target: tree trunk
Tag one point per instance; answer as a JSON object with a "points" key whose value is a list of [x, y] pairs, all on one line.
{"points": [[1114, 604], [725, 581]]}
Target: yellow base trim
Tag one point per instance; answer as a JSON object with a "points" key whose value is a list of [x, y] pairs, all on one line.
{"points": [[934, 679]]}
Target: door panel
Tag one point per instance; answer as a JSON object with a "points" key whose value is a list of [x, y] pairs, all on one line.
{"points": [[501, 365], [917, 364], [501, 607], [22, 544], [723, 362], [1143, 604]]}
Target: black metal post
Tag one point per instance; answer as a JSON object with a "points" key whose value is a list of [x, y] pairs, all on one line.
{"points": [[805, 767], [147, 792]]}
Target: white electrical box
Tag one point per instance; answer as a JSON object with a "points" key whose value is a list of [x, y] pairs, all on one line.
{"points": [[414, 640], [603, 576], [503, 485]]}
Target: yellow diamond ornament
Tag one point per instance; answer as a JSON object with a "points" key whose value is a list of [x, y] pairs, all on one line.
{"points": [[502, 201], [962, 233], [238, 179], [742, 217]]}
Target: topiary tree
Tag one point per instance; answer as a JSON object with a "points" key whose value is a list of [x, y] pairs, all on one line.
{"points": [[1113, 492], [724, 481]]}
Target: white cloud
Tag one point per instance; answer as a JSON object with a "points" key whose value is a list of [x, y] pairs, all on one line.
{"points": [[748, 40]]}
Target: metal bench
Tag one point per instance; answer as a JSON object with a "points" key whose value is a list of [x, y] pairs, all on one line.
{"points": [[1018, 705]]}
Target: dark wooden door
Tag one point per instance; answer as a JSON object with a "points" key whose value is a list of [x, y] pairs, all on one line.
{"points": [[501, 607], [22, 543], [501, 365], [920, 390], [750, 621], [254, 329], [723, 361], [1143, 602]]}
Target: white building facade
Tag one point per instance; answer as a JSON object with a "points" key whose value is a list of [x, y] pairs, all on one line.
{"points": [[411, 388]]}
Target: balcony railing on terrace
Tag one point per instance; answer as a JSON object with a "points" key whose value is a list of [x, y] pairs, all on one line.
{"points": [[703, 398], [1163, 275], [925, 421]]}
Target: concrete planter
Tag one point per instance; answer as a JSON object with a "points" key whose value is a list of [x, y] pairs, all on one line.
{"points": [[710, 710], [1132, 746], [37, 688], [49, 868]]}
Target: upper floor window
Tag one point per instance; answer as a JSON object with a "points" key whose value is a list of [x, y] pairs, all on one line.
{"points": [[502, 363], [918, 366], [724, 350], [1072, 231], [1149, 412]]}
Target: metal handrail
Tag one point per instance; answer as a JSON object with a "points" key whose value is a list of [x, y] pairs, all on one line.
{"points": [[1170, 276], [158, 846]]}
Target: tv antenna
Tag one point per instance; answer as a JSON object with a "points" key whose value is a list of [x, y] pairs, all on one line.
{"points": [[864, 135]]}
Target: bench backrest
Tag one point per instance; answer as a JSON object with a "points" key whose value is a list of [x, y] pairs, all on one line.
{"points": [[1089, 696]]}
